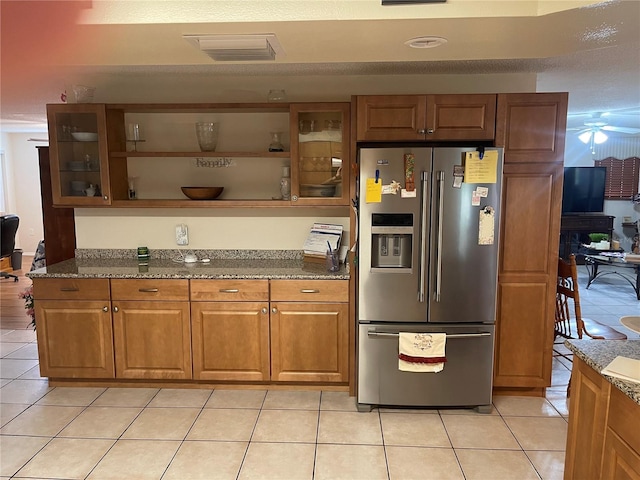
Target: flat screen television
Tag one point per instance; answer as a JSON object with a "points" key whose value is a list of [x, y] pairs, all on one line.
{"points": [[583, 190]]}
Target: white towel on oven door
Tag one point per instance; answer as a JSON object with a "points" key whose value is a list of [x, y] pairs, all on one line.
{"points": [[421, 352]]}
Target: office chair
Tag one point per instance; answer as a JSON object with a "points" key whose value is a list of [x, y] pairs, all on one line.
{"points": [[8, 230]]}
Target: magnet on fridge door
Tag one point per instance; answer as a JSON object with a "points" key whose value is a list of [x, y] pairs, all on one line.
{"points": [[392, 188], [486, 226], [483, 192]]}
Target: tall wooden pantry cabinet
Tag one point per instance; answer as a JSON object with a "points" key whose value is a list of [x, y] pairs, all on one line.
{"points": [[531, 129]]}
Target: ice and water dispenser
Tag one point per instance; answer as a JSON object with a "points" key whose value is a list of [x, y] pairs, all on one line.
{"points": [[391, 240]]}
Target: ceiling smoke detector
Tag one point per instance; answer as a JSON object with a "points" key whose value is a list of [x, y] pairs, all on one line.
{"points": [[238, 48], [426, 42]]}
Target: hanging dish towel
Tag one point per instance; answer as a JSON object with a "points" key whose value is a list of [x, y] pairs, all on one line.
{"points": [[421, 352]]}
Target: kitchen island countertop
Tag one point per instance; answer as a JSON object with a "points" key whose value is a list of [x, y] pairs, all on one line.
{"points": [[599, 353], [217, 268]]}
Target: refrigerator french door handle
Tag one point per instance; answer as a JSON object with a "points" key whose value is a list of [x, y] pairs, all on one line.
{"points": [[438, 280], [374, 334], [422, 252]]}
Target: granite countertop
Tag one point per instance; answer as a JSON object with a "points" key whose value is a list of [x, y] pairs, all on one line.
{"points": [[222, 265], [599, 353]]}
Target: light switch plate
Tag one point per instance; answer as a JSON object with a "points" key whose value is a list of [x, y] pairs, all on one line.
{"points": [[182, 234]]}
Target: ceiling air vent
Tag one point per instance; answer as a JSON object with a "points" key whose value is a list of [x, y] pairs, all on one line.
{"points": [[238, 48]]}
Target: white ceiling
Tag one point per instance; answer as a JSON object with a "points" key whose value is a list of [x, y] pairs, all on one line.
{"points": [[133, 51]]}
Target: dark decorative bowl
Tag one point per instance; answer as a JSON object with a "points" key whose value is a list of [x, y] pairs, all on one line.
{"points": [[202, 193]]}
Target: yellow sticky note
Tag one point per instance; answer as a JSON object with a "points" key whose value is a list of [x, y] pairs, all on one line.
{"points": [[483, 170], [374, 190]]}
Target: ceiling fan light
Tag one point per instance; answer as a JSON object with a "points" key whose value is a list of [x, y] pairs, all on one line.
{"points": [[599, 137], [585, 137]]}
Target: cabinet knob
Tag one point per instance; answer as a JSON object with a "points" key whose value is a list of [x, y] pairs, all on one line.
{"points": [[422, 131], [106, 197], [265, 310], [116, 309], [105, 309], [274, 310], [430, 131], [294, 198]]}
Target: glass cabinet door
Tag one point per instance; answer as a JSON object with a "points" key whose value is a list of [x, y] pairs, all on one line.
{"points": [[320, 154], [79, 157]]}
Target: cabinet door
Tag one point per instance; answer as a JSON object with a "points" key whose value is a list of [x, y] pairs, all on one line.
{"points": [[587, 421], [309, 342], [621, 457], [320, 153], [79, 155], [531, 127], [75, 339], [527, 273], [230, 340], [391, 117], [620, 461], [461, 117], [152, 339]]}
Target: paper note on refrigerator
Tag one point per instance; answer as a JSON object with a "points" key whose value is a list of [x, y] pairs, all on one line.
{"points": [[481, 170], [374, 190], [486, 226]]}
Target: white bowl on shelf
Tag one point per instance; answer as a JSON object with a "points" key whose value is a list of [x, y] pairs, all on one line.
{"points": [[84, 136]]}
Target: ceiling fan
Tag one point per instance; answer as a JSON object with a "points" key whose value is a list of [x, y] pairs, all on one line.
{"points": [[592, 131]]}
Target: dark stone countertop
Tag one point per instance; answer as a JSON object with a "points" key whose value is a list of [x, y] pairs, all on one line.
{"points": [[217, 268], [599, 353]]}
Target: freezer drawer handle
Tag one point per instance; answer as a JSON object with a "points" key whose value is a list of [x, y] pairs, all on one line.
{"points": [[371, 334]]}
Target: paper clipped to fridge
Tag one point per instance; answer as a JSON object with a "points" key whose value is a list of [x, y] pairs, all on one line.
{"points": [[481, 170], [321, 236], [374, 190]]}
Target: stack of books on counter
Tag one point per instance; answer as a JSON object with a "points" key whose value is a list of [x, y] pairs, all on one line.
{"points": [[321, 236]]}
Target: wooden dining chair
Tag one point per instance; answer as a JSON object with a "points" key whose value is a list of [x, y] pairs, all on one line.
{"points": [[569, 322]]}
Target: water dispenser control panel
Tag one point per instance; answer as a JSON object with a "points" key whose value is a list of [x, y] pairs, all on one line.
{"points": [[391, 242]]}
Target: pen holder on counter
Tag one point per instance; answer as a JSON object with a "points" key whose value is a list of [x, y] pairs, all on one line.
{"points": [[332, 260]]}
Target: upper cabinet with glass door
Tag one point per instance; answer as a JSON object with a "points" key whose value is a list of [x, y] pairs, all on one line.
{"points": [[320, 156], [79, 154]]}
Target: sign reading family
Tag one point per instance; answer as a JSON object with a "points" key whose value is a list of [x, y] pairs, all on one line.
{"points": [[221, 162]]}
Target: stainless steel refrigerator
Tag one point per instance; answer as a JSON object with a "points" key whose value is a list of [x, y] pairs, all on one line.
{"points": [[427, 262]]}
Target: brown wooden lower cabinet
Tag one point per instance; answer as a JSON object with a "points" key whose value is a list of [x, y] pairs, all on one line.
{"points": [[229, 331], [152, 339], [309, 342], [73, 317], [74, 338], [603, 439], [230, 341]]}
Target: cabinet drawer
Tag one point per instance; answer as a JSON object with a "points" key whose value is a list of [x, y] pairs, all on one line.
{"points": [[310, 290], [229, 290], [71, 288], [149, 289]]}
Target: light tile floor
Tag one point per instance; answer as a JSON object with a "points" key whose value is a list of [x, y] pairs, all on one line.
{"points": [[148, 433]]}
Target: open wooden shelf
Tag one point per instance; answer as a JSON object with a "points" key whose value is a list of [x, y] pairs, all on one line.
{"points": [[202, 154]]}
